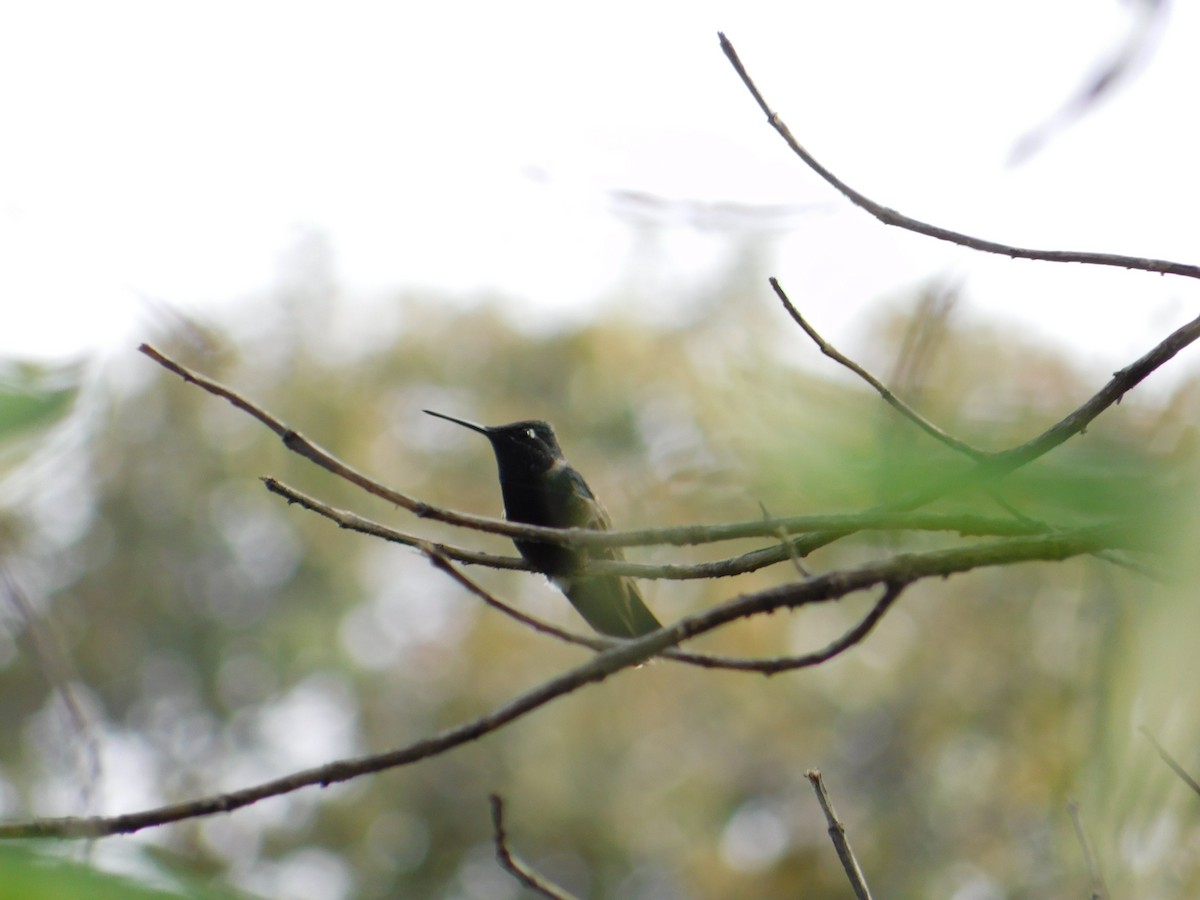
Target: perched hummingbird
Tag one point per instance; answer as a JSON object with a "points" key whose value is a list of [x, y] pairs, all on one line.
{"points": [[540, 488]]}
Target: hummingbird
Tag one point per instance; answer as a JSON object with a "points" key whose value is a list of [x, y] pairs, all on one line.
{"points": [[540, 488]]}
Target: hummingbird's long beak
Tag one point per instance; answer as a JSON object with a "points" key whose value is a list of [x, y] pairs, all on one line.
{"points": [[482, 429]]}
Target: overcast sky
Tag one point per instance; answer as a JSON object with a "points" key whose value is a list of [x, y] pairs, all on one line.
{"points": [[177, 150]]}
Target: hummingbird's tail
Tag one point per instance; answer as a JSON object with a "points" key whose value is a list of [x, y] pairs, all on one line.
{"points": [[611, 604]]}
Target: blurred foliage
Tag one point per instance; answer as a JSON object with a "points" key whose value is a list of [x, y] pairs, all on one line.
{"points": [[216, 637], [34, 396], [30, 873]]}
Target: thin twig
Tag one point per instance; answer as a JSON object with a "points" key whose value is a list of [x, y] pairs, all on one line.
{"points": [[60, 674], [515, 867], [352, 521], [884, 391], [1123, 381], [442, 562], [837, 832], [900, 569], [1099, 889], [1179, 770], [890, 216], [776, 665], [783, 535], [768, 666]]}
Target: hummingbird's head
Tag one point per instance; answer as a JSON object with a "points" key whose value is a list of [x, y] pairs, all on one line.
{"points": [[528, 446]]}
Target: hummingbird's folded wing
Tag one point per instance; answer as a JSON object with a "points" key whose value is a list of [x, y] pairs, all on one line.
{"points": [[611, 604], [584, 510]]}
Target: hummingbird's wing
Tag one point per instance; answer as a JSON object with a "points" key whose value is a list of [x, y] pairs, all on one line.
{"points": [[611, 604], [583, 509]]}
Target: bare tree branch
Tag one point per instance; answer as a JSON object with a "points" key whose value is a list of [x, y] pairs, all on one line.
{"points": [[298, 443], [890, 216], [352, 521], [892, 400], [964, 524], [768, 666], [1123, 381], [513, 866], [898, 571], [776, 665], [837, 832]]}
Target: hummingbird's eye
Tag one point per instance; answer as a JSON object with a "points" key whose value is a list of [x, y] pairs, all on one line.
{"points": [[531, 433]]}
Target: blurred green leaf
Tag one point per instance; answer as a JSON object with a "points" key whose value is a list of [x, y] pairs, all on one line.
{"points": [[30, 874], [34, 397]]}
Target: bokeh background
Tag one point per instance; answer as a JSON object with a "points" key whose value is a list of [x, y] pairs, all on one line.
{"points": [[172, 629]]}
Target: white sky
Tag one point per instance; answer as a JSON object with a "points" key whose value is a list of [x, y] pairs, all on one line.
{"points": [[176, 150]]}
